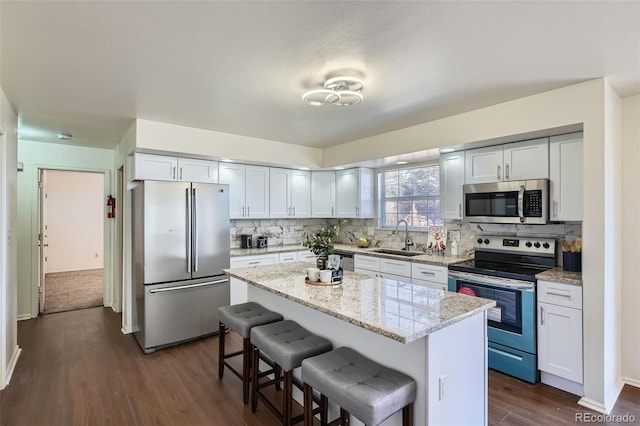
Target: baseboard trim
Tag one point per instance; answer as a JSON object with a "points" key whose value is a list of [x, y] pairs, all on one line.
{"points": [[631, 382], [11, 366], [126, 330], [24, 317], [594, 405]]}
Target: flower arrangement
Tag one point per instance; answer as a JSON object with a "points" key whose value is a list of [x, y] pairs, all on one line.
{"points": [[321, 242]]}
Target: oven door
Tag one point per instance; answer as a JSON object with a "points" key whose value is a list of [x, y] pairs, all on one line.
{"points": [[512, 322]]}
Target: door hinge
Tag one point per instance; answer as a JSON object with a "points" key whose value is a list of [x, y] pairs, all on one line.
{"points": [[40, 236], [39, 289]]}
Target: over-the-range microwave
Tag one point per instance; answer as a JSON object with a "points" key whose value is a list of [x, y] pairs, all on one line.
{"points": [[522, 201]]}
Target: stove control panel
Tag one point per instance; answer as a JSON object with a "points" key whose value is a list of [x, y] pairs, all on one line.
{"points": [[533, 245]]}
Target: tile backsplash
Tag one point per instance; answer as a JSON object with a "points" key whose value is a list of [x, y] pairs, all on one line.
{"points": [[292, 231]]}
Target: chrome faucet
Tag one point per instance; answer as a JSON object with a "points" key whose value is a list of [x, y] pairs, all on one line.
{"points": [[407, 240]]}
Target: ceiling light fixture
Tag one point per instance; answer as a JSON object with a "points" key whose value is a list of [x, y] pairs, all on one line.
{"points": [[64, 136], [340, 91]]}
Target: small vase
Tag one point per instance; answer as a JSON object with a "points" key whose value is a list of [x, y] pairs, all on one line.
{"points": [[321, 262]]}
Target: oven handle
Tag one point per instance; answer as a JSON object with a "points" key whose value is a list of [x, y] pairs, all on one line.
{"points": [[497, 282]]}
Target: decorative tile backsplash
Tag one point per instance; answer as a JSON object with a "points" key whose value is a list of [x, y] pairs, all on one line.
{"points": [[292, 231]]}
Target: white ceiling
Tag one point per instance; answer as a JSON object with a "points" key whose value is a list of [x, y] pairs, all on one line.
{"points": [[89, 68]]}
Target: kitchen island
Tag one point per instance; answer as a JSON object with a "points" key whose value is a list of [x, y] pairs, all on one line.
{"points": [[436, 337]]}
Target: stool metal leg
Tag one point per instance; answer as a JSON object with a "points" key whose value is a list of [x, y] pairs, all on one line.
{"points": [[221, 337]]}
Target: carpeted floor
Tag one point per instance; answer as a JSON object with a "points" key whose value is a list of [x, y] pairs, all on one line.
{"points": [[68, 291]]}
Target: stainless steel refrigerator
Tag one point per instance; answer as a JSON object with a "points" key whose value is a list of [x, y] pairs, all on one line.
{"points": [[180, 233]]}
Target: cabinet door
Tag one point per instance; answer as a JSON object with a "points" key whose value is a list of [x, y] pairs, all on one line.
{"points": [[369, 263], [451, 181], [560, 341], [257, 192], [483, 165], [431, 284], [280, 193], [192, 170], [291, 256], [234, 175], [432, 273], [565, 175], [396, 267], [307, 256], [526, 160], [347, 193], [154, 167], [323, 194], [301, 193]]}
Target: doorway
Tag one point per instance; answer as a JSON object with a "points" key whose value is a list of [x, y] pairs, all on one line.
{"points": [[71, 235]]}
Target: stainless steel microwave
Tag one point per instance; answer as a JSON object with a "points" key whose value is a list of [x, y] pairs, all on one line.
{"points": [[522, 201]]}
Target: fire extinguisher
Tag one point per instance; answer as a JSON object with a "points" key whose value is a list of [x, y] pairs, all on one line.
{"points": [[111, 207]]}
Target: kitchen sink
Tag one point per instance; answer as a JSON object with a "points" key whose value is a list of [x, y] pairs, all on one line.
{"points": [[398, 252]]}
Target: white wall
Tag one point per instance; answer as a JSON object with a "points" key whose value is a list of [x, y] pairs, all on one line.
{"points": [[75, 220], [9, 350], [36, 155], [630, 236]]}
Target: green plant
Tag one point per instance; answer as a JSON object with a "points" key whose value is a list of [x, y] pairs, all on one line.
{"points": [[321, 242]]}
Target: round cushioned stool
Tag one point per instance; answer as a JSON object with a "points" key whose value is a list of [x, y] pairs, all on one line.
{"points": [[369, 391], [241, 319], [287, 344]]}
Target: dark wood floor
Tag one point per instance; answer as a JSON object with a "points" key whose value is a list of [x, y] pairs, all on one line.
{"points": [[77, 368]]}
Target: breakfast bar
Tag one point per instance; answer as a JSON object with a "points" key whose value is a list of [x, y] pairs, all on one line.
{"points": [[436, 337]]}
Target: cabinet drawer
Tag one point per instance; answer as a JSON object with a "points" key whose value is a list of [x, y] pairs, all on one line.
{"points": [[366, 262], [430, 284], [422, 271], [288, 257], [306, 256], [395, 267], [560, 294], [244, 261]]}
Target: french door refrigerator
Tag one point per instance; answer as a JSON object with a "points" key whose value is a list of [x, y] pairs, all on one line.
{"points": [[180, 241]]}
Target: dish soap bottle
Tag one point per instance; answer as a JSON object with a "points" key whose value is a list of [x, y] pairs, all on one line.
{"points": [[454, 248]]}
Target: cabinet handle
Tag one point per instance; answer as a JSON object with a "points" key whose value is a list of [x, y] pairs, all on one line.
{"points": [[180, 173], [332, 211], [555, 209], [242, 211], [506, 170], [460, 209], [541, 315], [357, 211], [254, 263], [553, 293], [428, 273], [174, 173], [498, 171], [294, 210], [289, 211], [248, 211]]}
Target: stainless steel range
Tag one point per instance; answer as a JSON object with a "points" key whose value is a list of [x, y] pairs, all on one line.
{"points": [[504, 270]]}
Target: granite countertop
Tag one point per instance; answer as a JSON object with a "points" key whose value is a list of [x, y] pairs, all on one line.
{"points": [[558, 275], [400, 311], [423, 258]]}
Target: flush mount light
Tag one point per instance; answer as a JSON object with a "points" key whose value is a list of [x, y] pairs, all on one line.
{"points": [[64, 136], [445, 150], [340, 91]]}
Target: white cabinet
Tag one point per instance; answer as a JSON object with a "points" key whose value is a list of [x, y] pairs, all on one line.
{"points": [[565, 174], [513, 161], [323, 194], [290, 193], [306, 256], [290, 256], [238, 288], [161, 167], [560, 335], [451, 181], [248, 190], [392, 269], [354, 193], [431, 275]]}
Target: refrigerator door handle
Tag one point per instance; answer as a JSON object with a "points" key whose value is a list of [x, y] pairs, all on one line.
{"points": [[195, 231], [188, 198], [184, 287]]}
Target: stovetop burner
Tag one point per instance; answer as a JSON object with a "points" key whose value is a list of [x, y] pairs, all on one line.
{"points": [[510, 257]]}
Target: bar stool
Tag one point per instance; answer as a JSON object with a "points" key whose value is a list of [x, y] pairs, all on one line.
{"points": [[241, 318], [287, 344], [369, 391]]}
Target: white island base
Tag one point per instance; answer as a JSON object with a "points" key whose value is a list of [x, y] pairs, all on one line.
{"points": [[449, 365]]}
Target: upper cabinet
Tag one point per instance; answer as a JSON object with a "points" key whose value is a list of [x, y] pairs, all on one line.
{"points": [[513, 161], [354, 193], [565, 173], [290, 193], [248, 190], [451, 181], [161, 167], [323, 194]]}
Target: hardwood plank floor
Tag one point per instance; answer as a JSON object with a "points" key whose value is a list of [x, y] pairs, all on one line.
{"points": [[77, 368]]}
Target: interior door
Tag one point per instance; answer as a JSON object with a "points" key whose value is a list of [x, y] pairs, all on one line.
{"points": [[43, 241]]}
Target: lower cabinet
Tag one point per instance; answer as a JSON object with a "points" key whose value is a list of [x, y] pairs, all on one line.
{"points": [[430, 275], [290, 256], [238, 289], [392, 269], [560, 352]]}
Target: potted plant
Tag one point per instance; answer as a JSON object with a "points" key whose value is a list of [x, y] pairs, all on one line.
{"points": [[321, 244]]}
